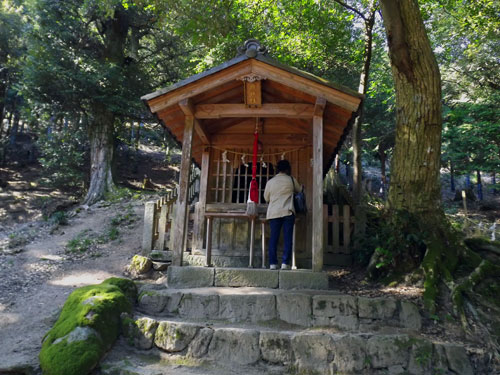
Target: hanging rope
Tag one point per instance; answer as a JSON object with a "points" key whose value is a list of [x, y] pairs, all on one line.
{"points": [[281, 153]]}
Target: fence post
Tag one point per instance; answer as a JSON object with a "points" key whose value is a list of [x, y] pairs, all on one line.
{"points": [[147, 233], [162, 226], [347, 228]]}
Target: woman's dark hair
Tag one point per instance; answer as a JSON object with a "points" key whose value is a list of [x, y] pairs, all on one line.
{"points": [[284, 166]]}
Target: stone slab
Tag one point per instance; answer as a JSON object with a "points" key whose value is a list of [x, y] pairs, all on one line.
{"points": [[249, 277], [250, 308], [161, 255], [276, 347], [294, 308], [298, 279], [233, 345], [190, 277]]}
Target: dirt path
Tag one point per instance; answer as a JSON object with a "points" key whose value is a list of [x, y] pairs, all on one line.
{"points": [[36, 278]]}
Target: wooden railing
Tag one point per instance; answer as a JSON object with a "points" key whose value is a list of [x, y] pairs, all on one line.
{"points": [[159, 215], [337, 229]]}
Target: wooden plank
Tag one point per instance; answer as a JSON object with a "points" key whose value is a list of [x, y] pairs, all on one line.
{"points": [[208, 251], [180, 224], [317, 195], [187, 107], [147, 232], [198, 229], [220, 93], [263, 239], [252, 242], [306, 85], [319, 107], [197, 87], [347, 229], [336, 228], [253, 94], [286, 93], [289, 110], [326, 224], [162, 226]]}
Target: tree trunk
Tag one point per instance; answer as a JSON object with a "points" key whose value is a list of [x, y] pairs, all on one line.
{"points": [[359, 206], [416, 162], [101, 135], [420, 234], [383, 157], [493, 182], [101, 127]]}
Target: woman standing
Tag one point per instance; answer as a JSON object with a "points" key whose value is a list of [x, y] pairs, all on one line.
{"points": [[280, 212]]}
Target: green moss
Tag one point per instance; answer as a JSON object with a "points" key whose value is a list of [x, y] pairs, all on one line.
{"points": [[127, 286], [88, 325]]}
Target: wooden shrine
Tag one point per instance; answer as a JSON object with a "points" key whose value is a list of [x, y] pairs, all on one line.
{"points": [[213, 116]]}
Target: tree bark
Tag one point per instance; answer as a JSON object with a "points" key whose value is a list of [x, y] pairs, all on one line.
{"points": [[101, 127], [101, 134], [420, 235], [416, 163], [479, 185]]}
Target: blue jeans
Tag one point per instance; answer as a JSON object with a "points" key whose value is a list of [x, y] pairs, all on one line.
{"points": [[287, 223]]}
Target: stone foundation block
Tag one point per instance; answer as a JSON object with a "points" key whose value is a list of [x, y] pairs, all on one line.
{"points": [[313, 352], [241, 277], [250, 307], [276, 347], [152, 301], [303, 280], [190, 277], [199, 306], [295, 309], [350, 354], [175, 337], [199, 346], [232, 345], [337, 311], [388, 350], [458, 361], [376, 308], [409, 316]]}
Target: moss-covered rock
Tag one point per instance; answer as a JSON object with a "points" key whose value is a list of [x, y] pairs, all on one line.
{"points": [[141, 332], [139, 265], [88, 325]]}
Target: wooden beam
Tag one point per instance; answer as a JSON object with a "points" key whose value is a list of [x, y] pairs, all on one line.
{"points": [[306, 85], [244, 140], [290, 110], [188, 108], [181, 218], [319, 107], [317, 195], [197, 87], [199, 226]]}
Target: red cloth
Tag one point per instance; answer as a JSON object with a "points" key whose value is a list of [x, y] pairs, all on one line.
{"points": [[254, 188]]}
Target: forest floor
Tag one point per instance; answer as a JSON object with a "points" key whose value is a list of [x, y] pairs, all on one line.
{"points": [[43, 260]]}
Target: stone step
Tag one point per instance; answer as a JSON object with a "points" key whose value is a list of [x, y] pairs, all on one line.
{"points": [[196, 277], [304, 308], [300, 351]]}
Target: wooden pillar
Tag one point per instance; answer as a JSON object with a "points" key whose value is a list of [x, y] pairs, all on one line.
{"points": [[181, 218], [199, 224], [317, 187]]}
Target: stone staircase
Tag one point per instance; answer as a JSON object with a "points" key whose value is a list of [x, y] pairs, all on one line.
{"points": [[285, 319]]}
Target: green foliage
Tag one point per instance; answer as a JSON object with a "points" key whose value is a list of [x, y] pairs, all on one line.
{"points": [[59, 218], [62, 158], [81, 243], [88, 325]]}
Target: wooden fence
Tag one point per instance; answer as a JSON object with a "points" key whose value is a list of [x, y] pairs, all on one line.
{"points": [[158, 215], [337, 229]]}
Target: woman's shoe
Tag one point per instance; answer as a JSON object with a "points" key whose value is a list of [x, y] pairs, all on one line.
{"points": [[273, 267], [285, 266]]}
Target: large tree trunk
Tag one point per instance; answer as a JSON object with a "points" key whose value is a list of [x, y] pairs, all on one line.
{"points": [[101, 135], [420, 234], [416, 161], [101, 127], [359, 206]]}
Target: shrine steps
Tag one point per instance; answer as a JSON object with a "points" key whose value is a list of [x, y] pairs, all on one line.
{"points": [[251, 330]]}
